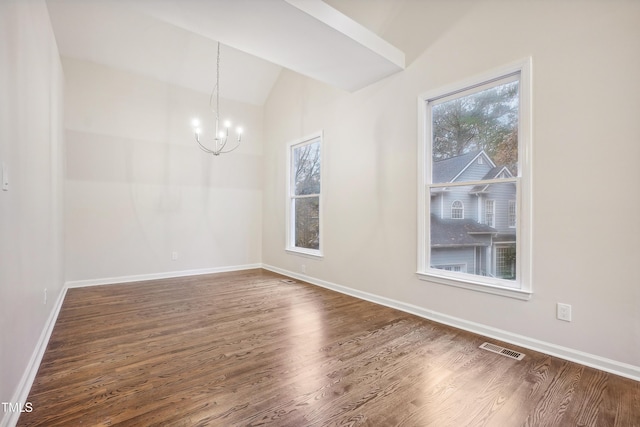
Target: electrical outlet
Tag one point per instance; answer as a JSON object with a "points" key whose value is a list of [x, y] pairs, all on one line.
{"points": [[564, 312], [174, 255], [303, 268]]}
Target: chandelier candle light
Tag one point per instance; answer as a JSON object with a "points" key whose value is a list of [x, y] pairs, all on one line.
{"points": [[221, 134]]}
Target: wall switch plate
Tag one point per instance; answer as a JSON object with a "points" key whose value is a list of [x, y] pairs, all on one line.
{"points": [[5, 178], [564, 312], [174, 255]]}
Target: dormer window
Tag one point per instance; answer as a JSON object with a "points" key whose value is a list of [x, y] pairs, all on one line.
{"points": [[457, 210], [480, 160]]}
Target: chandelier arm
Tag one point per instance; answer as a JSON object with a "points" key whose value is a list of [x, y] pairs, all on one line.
{"points": [[222, 144], [230, 150], [203, 148]]}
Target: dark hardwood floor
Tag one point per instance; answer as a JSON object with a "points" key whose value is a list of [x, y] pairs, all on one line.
{"points": [[247, 348]]}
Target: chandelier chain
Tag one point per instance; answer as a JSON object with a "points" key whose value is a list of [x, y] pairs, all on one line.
{"points": [[218, 85]]}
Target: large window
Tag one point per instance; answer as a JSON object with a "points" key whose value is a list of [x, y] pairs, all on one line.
{"points": [[475, 150], [304, 189]]}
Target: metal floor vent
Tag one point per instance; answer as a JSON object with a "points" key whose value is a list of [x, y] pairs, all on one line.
{"points": [[288, 281], [503, 351]]}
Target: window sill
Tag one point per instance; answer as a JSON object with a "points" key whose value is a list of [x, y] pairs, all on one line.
{"points": [[476, 286], [309, 253]]}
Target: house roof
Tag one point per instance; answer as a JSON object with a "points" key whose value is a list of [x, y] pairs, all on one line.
{"points": [[493, 173], [459, 232], [505, 238], [446, 170]]}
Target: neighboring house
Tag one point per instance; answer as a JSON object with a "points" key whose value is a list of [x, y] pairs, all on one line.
{"points": [[473, 228]]}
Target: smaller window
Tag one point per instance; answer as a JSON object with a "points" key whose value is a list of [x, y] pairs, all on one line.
{"points": [[506, 262], [452, 267], [480, 160], [512, 213], [489, 213], [457, 210], [305, 204]]}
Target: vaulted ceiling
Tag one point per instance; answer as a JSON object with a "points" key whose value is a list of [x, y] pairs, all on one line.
{"points": [[176, 40]]}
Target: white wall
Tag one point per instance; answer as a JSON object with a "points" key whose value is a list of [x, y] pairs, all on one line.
{"points": [[138, 188], [31, 253], [586, 105]]}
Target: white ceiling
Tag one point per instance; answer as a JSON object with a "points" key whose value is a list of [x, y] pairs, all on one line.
{"points": [[175, 41]]}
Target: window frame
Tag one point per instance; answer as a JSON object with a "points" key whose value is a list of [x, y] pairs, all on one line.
{"points": [[512, 214], [522, 287], [291, 197], [490, 220], [499, 256], [459, 210]]}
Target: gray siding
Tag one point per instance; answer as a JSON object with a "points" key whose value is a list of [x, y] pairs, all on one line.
{"points": [[460, 193], [479, 262], [501, 193], [475, 171], [454, 256]]}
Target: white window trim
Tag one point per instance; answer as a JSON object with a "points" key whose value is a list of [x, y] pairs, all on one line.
{"points": [[290, 223], [523, 287]]}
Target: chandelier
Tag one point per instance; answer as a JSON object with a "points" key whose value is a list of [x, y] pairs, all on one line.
{"points": [[221, 136]]}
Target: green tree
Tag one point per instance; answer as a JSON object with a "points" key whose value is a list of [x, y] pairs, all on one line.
{"points": [[486, 120]]}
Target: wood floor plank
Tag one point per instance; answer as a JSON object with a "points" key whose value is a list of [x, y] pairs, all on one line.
{"points": [[247, 348]]}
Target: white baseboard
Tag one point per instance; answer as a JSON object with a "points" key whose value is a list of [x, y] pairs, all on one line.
{"points": [[577, 356], [24, 386], [155, 276]]}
